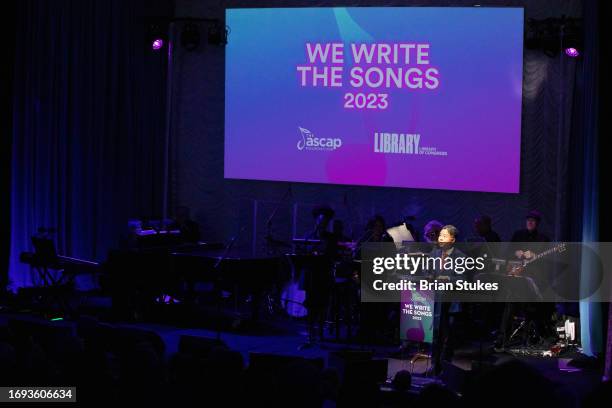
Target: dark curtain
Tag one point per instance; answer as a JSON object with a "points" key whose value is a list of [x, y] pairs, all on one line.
{"points": [[604, 145], [88, 132], [585, 176], [6, 127]]}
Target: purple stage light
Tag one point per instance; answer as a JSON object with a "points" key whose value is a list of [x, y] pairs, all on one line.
{"points": [[157, 44], [572, 52]]}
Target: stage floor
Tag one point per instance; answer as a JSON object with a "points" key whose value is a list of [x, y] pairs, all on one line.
{"points": [[287, 337]]}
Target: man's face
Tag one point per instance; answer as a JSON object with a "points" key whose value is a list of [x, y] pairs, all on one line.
{"points": [[531, 224], [445, 238]]}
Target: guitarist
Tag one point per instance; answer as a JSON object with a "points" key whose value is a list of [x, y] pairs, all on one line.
{"points": [[537, 271], [540, 313], [530, 233]]}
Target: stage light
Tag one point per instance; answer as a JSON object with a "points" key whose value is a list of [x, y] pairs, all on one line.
{"points": [[572, 38], [190, 36], [572, 52], [156, 36], [572, 41], [555, 35], [157, 44]]}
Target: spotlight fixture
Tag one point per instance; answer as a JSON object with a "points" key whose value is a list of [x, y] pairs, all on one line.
{"points": [[217, 34], [157, 44], [555, 35], [572, 41], [572, 52], [156, 36], [190, 36]]}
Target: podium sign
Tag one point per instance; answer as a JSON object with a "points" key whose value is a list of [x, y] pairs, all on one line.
{"points": [[417, 316]]}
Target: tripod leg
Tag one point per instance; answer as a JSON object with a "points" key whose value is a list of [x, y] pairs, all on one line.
{"points": [[506, 318]]}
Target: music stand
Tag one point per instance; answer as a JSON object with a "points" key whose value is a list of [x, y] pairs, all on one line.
{"points": [[45, 258], [400, 235]]}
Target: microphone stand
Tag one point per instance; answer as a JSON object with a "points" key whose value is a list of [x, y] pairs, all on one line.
{"points": [[309, 285], [269, 239], [217, 271], [363, 239]]}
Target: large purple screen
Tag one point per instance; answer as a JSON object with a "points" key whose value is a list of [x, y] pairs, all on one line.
{"points": [[411, 97]]}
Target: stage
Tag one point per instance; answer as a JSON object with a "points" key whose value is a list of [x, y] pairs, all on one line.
{"points": [[288, 338], [315, 206]]}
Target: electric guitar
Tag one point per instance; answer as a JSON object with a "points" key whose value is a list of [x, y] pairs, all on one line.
{"points": [[517, 267]]}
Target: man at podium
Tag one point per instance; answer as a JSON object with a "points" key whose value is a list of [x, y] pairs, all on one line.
{"points": [[445, 313]]}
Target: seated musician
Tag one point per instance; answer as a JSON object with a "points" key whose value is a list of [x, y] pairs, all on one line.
{"points": [[326, 242], [483, 229], [532, 242], [338, 231], [530, 233], [375, 231], [536, 273], [378, 230]]}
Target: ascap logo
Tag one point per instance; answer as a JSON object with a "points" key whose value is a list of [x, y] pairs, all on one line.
{"points": [[310, 142]]}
